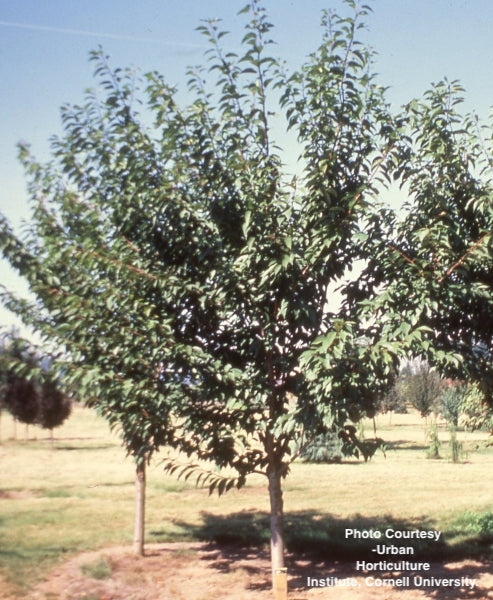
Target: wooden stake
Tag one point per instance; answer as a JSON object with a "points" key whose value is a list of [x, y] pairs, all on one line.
{"points": [[139, 517], [281, 584]]}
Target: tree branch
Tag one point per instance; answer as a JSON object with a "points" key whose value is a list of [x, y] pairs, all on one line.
{"points": [[457, 264]]}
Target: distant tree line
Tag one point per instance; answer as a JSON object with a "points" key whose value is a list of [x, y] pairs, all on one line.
{"points": [[420, 386], [416, 386]]}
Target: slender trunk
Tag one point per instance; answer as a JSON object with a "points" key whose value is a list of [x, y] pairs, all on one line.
{"points": [[140, 498], [374, 427], [279, 583]]}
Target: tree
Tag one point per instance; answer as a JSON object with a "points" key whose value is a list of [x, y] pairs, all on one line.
{"points": [[420, 386], [451, 402], [26, 389], [186, 277], [477, 411], [393, 400], [440, 252], [53, 406], [21, 399], [18, 391]]}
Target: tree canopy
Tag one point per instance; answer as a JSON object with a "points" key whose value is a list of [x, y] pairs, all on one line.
{"points": [[438, 254]]}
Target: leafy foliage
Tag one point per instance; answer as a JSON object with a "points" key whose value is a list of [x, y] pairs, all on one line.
{"points": [[324, 448], [27, 390], [54, 406], [186, 277], [434, 442], [451, 402], [215, 481], [455, 446], [440, 250], [394, 400], [477, 413], [21, 400], [421, 386]]}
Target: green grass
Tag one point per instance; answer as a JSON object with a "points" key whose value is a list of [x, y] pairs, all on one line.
{"points": [[99, 569], [79, 495]]}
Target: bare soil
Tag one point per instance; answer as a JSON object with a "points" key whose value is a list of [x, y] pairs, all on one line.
{"points": [[194, 571]]}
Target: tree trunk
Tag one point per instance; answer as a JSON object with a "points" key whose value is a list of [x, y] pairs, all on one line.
{"points": [[140, 499], [276, 523]]}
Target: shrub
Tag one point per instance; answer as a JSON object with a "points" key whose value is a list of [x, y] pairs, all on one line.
{"points": [[325, 448], [477, 413], [451, 402], [456, 449], [434, 442]]}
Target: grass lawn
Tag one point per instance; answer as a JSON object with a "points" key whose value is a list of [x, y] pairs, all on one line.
{"points": [[78, 494]]}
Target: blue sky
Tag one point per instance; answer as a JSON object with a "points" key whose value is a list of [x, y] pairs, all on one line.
{"points": [[44, 48]]}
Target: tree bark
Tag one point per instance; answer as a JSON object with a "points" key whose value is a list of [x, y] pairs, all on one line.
{"points": [[276, 521], [140, 498]]}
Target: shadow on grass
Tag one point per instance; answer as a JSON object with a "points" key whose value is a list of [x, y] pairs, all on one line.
{"points": [[19, 567], [323, 536], [317, 547], [11, 554], [56, 444], [82, 448], [300, 572], [405, 445]]}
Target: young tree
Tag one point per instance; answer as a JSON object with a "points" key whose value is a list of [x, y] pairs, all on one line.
{"points": [[21, 399], [451, 401], [19, 393], [54, 406], [421, 386], [186, 276], [393, 401], [477, 411]]}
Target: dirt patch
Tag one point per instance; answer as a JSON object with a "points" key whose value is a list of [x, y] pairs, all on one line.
{"points": [[218, 572], [14, 495]]}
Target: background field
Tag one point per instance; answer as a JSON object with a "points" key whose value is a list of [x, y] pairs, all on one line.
{"points": [[77, 495]]}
